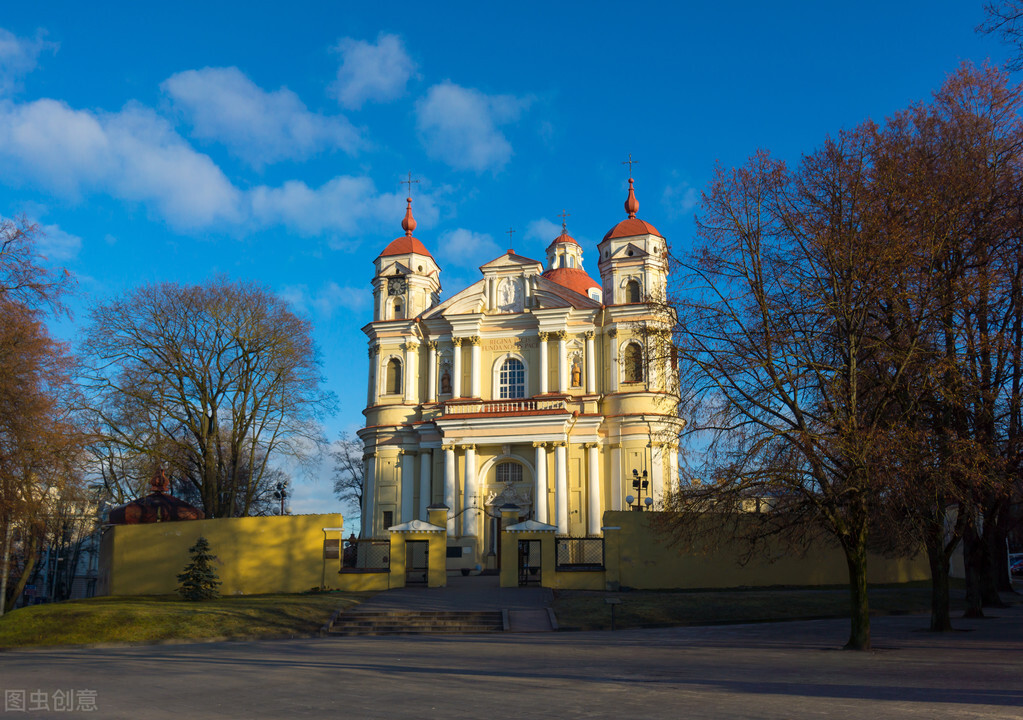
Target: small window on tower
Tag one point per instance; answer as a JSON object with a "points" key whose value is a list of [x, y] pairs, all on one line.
{"points": [[393, 379], [632, 291], [399, 309], [633, 361]]}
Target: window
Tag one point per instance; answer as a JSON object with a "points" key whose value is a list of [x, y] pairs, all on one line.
{"points": [[632, 357], [399, 309], [512, 379], [632, 291], [509, 472], [393, 381], [388, 518]]}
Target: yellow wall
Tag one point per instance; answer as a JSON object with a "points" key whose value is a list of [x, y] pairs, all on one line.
{"points": [[254, 554], [637, 557]]}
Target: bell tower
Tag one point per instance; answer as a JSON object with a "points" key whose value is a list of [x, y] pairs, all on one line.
{"points": [[407, 278], [633, 259]]}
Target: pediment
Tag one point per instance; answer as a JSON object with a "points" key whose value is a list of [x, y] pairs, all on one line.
{"points": [[629, 250], [395, 268], [511, 261]]}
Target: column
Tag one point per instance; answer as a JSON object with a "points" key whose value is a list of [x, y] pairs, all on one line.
{"points": [[456, 368], [469, 499], [492, 294], [616, 477], [368, 495], [474, 368], [591, 365], [616, 370], [373, 390], [425, 491], [562, 362], [540, 490], [543, 362], [449, 486], [411, 394], [657, 476], [593, 517], [431, 373], [561, 487], [408, 487]]}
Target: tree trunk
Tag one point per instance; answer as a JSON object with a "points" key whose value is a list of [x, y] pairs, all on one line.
{"points": [[941, 618], [859, 633], [996, 522], [5, 569], [31, 553], [973, 560]]}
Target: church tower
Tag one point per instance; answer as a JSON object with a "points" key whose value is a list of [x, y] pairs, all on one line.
{"points": [[407, 279], [633, 259]]}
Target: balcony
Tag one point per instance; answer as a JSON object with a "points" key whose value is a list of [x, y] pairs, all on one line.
{"points": [[532, 406]]}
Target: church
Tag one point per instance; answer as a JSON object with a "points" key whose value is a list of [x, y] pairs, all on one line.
{"points": [[536, 386]]}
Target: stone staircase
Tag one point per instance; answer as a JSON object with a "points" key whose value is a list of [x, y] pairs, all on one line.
{"points": [[416, 622]]}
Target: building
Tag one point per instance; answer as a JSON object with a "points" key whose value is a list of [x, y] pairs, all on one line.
{"points": [[536, 386]]}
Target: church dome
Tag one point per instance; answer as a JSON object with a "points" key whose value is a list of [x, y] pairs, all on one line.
{"points": [[572, 278], [632, 225], [407, 244], [564, 237]]}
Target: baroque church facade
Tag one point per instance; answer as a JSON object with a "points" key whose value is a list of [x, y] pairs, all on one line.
{"points": [[536, 386]]}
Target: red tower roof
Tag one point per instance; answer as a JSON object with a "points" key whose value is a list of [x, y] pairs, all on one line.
{"points": [[407, 244], [632, 225]]}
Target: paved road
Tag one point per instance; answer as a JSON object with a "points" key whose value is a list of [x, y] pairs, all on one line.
{"points": [[780, 670]]}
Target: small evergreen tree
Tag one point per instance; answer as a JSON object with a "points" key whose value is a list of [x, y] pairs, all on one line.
{"points": [[199, 581]]}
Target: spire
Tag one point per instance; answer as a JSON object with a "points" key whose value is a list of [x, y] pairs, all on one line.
{"points": [[631, 203], [408, 224]]}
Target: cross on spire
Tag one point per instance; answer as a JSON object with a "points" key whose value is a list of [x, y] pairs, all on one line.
{"points": [[564, 215], [510, 232], [409, 182], [630, 163]]}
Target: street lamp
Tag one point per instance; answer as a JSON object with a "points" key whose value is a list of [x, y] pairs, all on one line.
{"points": [[641, 485], [281, 493]]}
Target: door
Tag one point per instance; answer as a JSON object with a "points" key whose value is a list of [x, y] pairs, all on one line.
{"points": [[417, 562], [529, 562]]}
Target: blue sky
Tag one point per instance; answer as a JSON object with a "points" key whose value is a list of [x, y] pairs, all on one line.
{"points": [[173, 142]]}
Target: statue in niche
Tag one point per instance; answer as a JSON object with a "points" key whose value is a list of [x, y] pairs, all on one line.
{"points": [[509, 295], [577, 373], [445, 382]]}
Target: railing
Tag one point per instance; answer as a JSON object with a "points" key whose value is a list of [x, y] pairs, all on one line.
{"points": [[504, 407], [366, 556], [579, 553]]}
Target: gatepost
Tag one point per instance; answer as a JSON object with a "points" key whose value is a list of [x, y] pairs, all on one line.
{"points": [[527, 530], [437, 538]]}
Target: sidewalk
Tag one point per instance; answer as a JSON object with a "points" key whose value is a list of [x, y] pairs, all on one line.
{"points": [[475, 592]]}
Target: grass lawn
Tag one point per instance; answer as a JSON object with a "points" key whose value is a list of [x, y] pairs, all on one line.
{"points": [[587, 610], [156, 618]]}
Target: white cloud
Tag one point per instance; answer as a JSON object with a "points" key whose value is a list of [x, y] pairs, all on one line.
{"points": [[18, 57], [543, 230], [345, 204], [57, 245], [465, 248], [371, 71], [133, 155], [224, 105], [459, 126], [680, 199], [326, 300]]}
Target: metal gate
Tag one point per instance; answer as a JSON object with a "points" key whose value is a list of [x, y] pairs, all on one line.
{"points": [[417, 561], [529, 562]]}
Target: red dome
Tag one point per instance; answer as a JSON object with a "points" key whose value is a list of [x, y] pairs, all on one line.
{"points": [[574, 279], [405, 245], [564, 237], [630, 227]]}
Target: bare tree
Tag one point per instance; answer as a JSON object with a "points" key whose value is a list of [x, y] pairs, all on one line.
{"points": [[214, 380], [1006, 19], [348, 472]]}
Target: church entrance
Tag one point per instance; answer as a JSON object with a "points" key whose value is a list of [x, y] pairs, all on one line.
{"points": [[417, 562]]}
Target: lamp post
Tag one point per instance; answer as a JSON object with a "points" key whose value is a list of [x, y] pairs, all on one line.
{"points": [[642, 486], [281, 493]]}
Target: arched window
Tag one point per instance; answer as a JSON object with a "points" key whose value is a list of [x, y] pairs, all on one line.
{"points": [[632, 291], [399, 309], [511, 379], [509, 472], [632, 357], [393, 386]]}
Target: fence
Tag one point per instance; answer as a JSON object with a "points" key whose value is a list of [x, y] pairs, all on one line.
{"points": [[366, 556], [579, 553]]}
